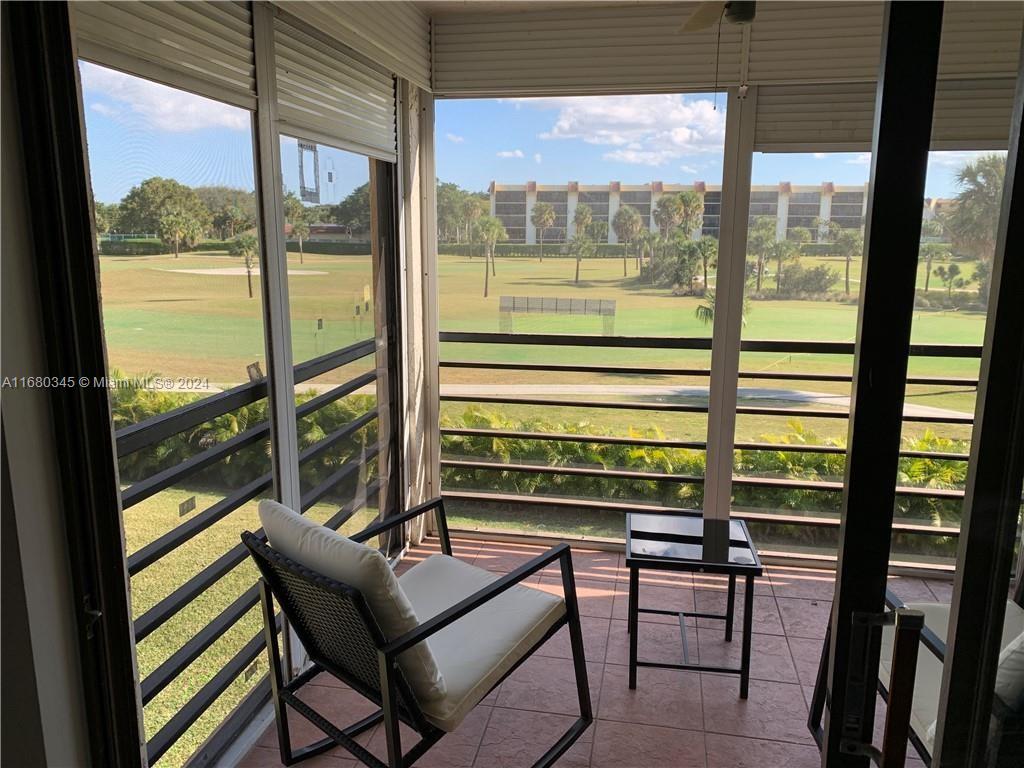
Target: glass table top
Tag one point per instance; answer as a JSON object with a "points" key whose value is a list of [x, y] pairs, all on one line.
{"points": [[690, 538]]}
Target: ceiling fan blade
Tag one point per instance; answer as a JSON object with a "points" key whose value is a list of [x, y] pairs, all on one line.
{"points": [[705, 15]]}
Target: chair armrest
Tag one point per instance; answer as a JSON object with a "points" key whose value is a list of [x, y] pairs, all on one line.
{"points": [[436, 503], [477, 599], [929, 639]]}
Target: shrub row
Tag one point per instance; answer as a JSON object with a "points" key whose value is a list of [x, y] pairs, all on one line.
{"points": [[132, 406], [153, 247], [330, 247]]}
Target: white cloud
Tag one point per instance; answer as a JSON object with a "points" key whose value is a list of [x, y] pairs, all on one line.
{"points": [[820, 155], [956, 160], [688, 169], [861, 158], [511, 153], [641, 130], [134, 101], [454, 138], [537, 158]]}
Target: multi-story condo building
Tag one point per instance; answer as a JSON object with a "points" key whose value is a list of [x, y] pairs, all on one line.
{"points": [[791, 205]]}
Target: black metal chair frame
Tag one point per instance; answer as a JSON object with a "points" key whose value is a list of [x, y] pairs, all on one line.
{"points": [[368, 662]]}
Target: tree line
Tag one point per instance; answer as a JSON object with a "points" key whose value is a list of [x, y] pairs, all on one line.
{"points": [[679, 257], [182, 216]]}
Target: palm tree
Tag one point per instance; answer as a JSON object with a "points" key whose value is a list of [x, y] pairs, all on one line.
{"points": [[668, 213], [582, 219], [975, 218], [950, 276], [472, 210], [174, 227], [627, 225], [491, 232], [708, 248], [542, 217], [705, 311], [246, 246], [849, 244], [786, 250], [929, 252], [300, 230], [692, 212], [759, 241], [582, 247]]}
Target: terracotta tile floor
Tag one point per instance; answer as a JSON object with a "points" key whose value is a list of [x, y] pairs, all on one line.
{"points": [[674, 718]]}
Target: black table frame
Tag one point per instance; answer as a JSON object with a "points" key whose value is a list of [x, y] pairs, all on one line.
{"points": [[749, 572]]}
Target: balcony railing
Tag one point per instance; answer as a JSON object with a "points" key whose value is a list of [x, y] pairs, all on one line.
{"points": [[149, 434], [487, 463]]}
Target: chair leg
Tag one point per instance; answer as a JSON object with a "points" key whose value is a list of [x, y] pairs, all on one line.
{"points": [[389, 700], [284, 743], [579, 659]]}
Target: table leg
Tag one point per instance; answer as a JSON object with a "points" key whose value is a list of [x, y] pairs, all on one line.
{"points": [[730, 607], [632, 624], [748, 618]]}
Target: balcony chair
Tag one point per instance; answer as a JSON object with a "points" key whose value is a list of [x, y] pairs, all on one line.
{"points": [[426, 647], [1007, 704]]}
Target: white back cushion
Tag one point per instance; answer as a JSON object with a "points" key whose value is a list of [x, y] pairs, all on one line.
{"points": [[1010, 674], [364, 568]]}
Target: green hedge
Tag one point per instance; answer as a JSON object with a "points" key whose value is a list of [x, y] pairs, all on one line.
{"points": [[933, 473], [134, 406], [153, 247], [330, 247]]}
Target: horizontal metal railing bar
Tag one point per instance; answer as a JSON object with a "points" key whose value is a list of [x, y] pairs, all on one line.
{"points": [[623, 474], [196, 645], [310, 369], [744, 480], [345, 514], [668, 342], [625, 370], [193, 710], [811, 413], [164, 425], [181, 597], [834, 522], [164, 479], [629, 370], [749, 410], [158, 548], [623, 506], [614, 404], [568, 437], [316, 403], [837, 486], [346, 431], [566, 340], [348, 468]]}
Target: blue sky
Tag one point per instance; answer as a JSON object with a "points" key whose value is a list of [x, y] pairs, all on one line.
{"points": [[137, 129], [631, 139]]}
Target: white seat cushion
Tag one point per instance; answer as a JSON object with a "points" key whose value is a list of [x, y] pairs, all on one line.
{"points": [[476, 651], [928, 680], [1010, 674], [364, 568]]}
